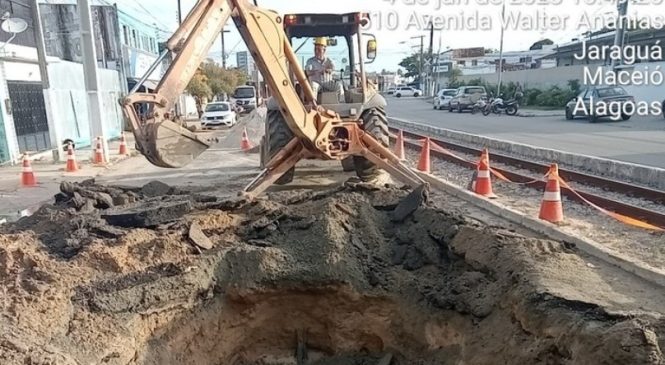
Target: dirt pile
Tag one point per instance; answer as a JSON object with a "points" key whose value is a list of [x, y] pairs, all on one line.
{"points": [[301, 278]]}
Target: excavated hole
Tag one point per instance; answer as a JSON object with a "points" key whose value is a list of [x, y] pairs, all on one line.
{"points": [[314, 278], [319, 326]]}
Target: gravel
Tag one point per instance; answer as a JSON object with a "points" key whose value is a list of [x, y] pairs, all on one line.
{"points": [[634, 244]]}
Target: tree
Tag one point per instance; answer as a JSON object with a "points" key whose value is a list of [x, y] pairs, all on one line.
{"points": [[222, 80], [541, 43], [198, 88], [213, 80], [400, 72], [455, 74], [412, 65]]}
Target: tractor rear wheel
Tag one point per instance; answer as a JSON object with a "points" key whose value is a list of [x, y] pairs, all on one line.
{"points": [[375, 123], [278, 135]]}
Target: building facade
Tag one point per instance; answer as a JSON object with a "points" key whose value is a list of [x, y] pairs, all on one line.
{"points": [[246, 63], [41, 111]]}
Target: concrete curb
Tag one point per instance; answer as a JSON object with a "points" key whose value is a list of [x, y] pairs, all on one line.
{"points": [[528, 114], [590, 247], [624, 171]]}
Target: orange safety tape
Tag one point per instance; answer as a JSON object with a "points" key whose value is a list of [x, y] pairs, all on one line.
{"points": [[496, 173], [500, 176], [621, 218]]}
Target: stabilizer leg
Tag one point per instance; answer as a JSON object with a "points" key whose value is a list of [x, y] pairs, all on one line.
{"points": [[283, 161]]}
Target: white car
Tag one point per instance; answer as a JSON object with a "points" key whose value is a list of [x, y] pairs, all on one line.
{"points": [[407, 91], [443, 97], [219, 114]]}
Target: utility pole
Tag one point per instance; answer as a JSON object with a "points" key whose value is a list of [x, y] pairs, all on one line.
{"points": [[91, 79], [54, 135], [224, 48], [179, 12], [622, 8], [430, 57], [503, 13], [422, 50]]}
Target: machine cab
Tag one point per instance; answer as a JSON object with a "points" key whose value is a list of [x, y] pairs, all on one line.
{"points": [[344, 89]]}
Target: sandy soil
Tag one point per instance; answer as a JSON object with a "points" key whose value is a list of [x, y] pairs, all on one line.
{"points": [[305, 277]]}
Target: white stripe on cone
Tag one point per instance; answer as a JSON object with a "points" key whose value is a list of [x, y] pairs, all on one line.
{"points": [[484, 174], [552, 196]]}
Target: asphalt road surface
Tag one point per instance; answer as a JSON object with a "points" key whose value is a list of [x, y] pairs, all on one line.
{"points": [[639, 140]]}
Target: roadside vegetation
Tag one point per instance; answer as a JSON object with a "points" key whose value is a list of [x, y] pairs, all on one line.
{"points": [[554, 97]]}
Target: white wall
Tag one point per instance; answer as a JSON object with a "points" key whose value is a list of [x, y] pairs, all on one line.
{"points": [[14, 71], [11, 141], [70, 107]]}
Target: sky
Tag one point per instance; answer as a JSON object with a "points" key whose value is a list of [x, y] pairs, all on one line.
{"points": [[458, 23]]}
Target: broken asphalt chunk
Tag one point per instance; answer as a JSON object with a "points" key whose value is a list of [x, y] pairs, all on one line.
{"points": [[198, 237], [148, 214]]}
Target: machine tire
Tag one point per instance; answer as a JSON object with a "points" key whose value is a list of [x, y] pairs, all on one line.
{"points": [[375, 123], [569, 114], [278, 135], [511, 110]]}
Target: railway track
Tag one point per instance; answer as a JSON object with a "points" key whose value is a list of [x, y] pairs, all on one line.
{"points": [[653, 217]]}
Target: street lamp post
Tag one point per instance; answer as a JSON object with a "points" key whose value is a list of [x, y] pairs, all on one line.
{"points": [[224, 48], [498, 88]]}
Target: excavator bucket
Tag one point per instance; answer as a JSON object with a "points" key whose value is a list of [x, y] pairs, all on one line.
{"points": [[173, 146], [163, 142]]}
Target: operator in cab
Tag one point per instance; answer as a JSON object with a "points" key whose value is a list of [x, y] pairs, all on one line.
{"points": [[320, 69]]}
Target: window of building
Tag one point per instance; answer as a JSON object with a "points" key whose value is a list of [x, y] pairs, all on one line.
{"points": [[135, 41], [474, 63], [125, 32]]}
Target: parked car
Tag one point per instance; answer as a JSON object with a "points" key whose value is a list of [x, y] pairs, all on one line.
{"points": [[613, 96], [407, 91], [219, 113], [391, 90], [443, 97], [466, 97]]}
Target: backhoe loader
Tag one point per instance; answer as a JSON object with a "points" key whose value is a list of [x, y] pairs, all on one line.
{"points": [[315, 130]]}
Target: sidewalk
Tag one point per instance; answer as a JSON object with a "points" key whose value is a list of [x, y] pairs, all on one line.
{"points": [[17, 201]]}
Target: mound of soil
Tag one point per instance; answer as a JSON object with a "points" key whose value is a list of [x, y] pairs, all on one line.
{"points": [[300, 278]]}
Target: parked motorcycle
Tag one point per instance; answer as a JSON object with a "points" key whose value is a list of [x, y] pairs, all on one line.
{"points": [[480, 105], [498, 106]]}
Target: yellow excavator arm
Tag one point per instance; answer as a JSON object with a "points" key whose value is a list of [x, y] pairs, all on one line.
{"points": [[318, 132]]}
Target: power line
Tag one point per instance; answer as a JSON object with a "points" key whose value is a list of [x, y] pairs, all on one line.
{"points": [[142, 22], [149, 13]]}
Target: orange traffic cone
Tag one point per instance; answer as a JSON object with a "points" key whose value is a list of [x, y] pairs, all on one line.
{"points": [[27, 176], [483, 177], [424, 162], [72, 166], [399, 146], [123, 145], [99, 152], [551, 208], [245, 144]]}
